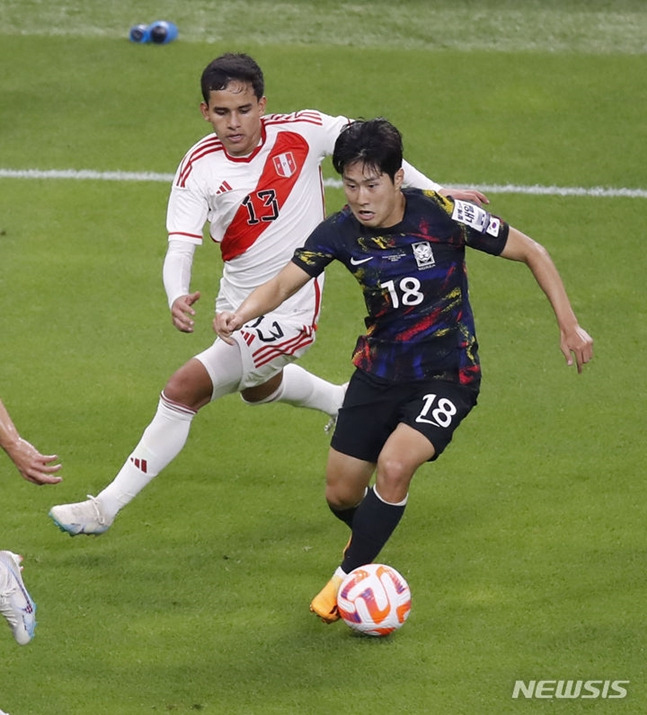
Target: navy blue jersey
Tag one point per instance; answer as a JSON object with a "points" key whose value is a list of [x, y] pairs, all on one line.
{"points": [[413, 276]]}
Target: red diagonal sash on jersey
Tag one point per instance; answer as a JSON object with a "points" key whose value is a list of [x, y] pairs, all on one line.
{"points": [[262, 205]]}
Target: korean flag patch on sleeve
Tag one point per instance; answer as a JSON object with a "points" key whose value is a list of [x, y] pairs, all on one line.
{"points": [[494, 226]]}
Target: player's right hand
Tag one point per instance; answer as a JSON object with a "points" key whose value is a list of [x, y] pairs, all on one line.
{"points": [[182, 313], [224, 324]]}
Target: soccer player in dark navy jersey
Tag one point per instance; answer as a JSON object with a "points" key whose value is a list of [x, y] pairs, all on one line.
{"points": [[412, 274], [417, 368]]}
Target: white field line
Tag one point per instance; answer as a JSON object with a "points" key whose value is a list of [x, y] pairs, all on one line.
{"points": [[88, 174]]}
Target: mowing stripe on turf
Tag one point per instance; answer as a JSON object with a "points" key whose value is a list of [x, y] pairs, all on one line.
{"points": [[89, 174]]}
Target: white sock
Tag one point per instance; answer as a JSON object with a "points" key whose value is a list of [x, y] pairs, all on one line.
{"points": [[161, 442], [303, 389]]}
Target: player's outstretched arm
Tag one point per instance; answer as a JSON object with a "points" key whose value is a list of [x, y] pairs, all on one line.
{"points": [[575, 343], [34, 466], [263, 299]]}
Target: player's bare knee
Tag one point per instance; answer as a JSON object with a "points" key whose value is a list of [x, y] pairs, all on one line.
{"points": [[341, 496], [189, 387], [176, 388], [393, 477]]}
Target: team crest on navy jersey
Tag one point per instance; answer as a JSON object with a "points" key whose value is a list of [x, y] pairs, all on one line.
{"points": [[423, 254]]}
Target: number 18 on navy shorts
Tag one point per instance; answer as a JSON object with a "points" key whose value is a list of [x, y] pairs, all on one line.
{"points": [[373, 408]]}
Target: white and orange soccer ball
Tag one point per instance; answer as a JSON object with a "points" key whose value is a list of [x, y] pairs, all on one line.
{"points": [[374, 599]]}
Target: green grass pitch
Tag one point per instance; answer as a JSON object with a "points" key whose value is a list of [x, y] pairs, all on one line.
{"points": [[524, 545]]}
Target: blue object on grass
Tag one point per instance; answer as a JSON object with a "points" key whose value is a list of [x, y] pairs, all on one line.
{"points": [[162, 32], [140, 33]]}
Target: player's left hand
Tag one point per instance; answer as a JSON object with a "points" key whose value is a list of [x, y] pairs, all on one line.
{"points": [[476, 197], [224, 324], [578, 343]]}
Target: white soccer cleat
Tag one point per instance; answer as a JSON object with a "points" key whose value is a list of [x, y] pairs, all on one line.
{"points": [[15, 603], [84, 517]]}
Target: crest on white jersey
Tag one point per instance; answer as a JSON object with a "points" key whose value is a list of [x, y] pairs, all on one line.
{"points": [[423, 254], [471, 215], [285, 164]]}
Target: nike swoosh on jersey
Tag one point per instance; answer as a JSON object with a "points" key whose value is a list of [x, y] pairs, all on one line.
{"points": [[357, 261]]}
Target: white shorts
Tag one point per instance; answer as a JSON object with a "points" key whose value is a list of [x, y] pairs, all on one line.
{"points": [[263, 348]]}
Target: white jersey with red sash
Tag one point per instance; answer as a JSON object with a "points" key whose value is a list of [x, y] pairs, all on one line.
{"points": [[261, 207]]}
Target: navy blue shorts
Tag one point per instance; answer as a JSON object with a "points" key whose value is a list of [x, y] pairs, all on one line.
{"points": [[373, 408]]}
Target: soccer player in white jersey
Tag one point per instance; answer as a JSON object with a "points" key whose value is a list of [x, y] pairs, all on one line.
{"points": [[257, 182]]}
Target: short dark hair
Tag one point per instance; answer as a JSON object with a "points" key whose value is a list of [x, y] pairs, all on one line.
{"points": [[376, 143], [232, 67]]}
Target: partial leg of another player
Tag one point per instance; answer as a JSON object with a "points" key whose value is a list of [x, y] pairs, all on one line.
{"points": [[16, 605]]}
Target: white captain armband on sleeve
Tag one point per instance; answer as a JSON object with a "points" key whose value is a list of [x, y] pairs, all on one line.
{"points": [[176, 272], [477, 218], [471, 215]]}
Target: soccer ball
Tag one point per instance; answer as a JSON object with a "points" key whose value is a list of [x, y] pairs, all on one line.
{"points": [[374, 599]]}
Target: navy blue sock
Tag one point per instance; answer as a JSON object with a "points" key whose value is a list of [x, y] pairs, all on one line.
{"points": [[372, 525], [346, 515]]}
